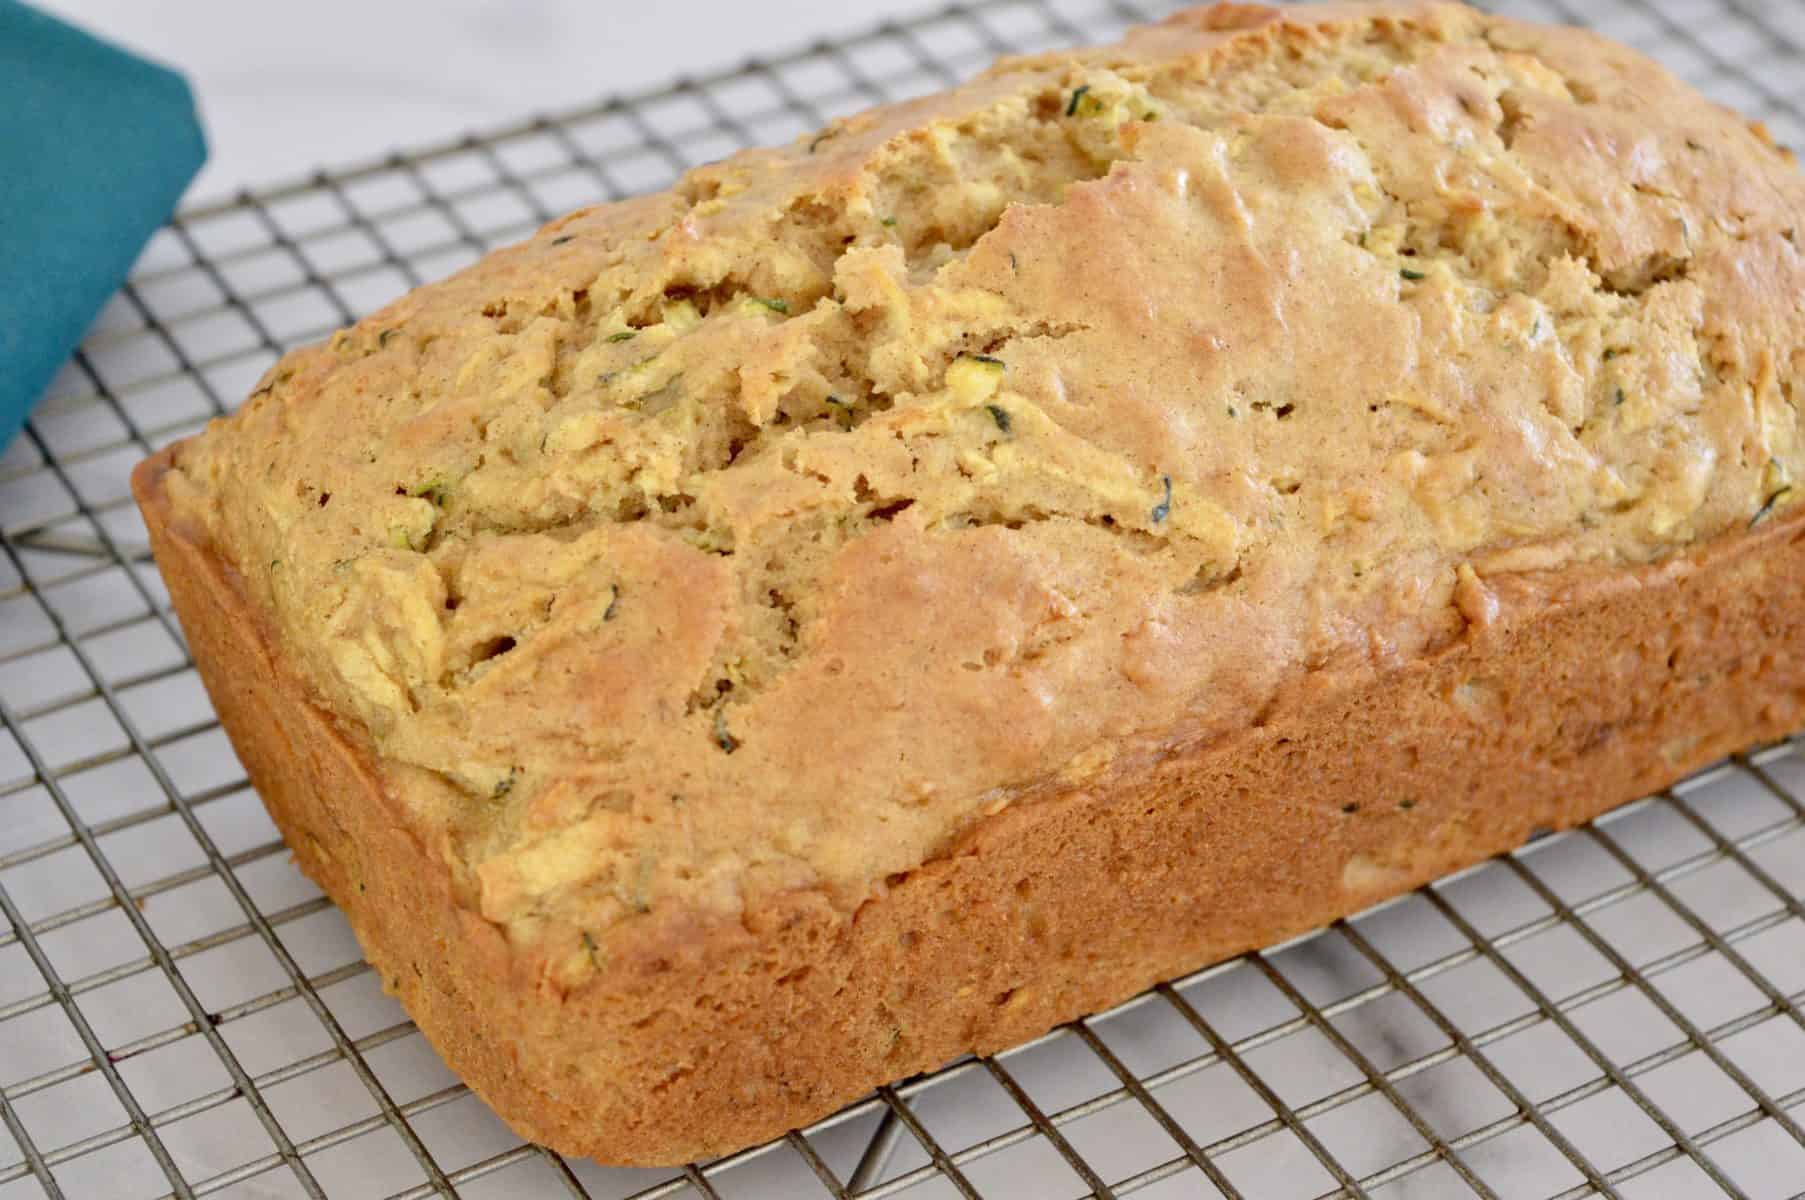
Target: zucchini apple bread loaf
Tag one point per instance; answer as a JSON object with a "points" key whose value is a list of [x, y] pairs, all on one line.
{"points": [[893, 593]]}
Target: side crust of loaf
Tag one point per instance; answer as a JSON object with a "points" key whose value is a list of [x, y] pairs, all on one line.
{"points": [[1571, 692]]}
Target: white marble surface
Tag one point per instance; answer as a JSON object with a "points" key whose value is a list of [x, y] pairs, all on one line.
{"points": [[284, 88]]}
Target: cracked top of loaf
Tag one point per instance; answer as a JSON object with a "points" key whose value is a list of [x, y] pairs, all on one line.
{"points": [[769, 532]]}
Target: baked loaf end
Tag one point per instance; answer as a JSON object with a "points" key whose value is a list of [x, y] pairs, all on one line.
{"points": [[702, 567]]}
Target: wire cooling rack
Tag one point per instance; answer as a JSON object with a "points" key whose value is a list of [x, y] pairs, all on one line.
{"points": [[1615, 1011]]}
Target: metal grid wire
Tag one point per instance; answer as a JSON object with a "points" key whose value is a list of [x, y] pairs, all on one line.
{"points": [[1616, 1011]]}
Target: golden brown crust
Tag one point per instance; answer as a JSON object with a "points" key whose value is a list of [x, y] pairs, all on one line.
{"points": [[1569, 692]]}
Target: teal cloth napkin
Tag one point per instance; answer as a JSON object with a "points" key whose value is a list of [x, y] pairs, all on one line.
{"points": [[96, 147]]}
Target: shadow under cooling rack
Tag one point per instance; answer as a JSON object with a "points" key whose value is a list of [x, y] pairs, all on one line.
{"points": [[1615, 1011]]}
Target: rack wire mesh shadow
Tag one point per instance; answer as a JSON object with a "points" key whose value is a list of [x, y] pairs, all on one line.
{"points": [[1619, 1011]]}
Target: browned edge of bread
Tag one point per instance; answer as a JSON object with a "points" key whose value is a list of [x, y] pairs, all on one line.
{"points": [[1570, 693]]}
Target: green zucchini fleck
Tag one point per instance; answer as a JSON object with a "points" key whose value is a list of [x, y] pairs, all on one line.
{"points": [[608, 377], [382, 339], [1618, 400], [726, 741], [1000, 415], [775, 304], [987, 359], [1767, 509], [1412, 276], [1163, 509], [1071, 110], [889, 222], [506, 785], [623, 335], [568, 237], [642, 884]]}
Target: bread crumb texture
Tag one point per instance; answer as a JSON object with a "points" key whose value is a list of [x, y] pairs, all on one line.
{"points": [[770, 532]]}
